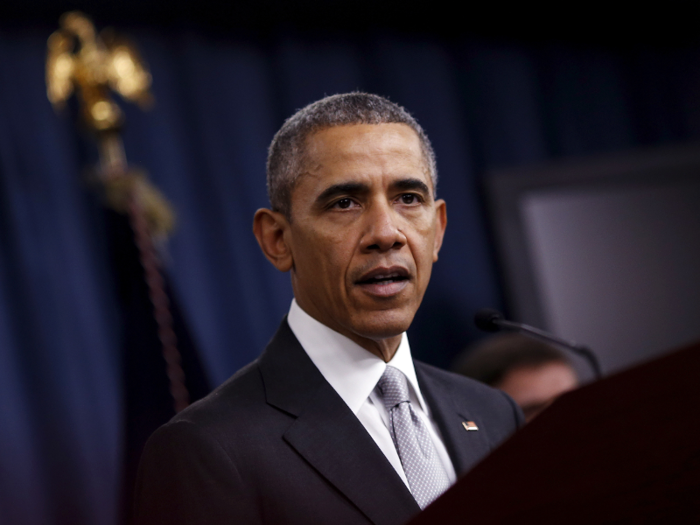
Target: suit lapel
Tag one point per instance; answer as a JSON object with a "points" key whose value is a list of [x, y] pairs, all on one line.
{"points": [[465, 448], [329, 436]]}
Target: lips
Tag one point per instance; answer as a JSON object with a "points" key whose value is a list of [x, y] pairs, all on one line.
{"points": [[384, 282]]}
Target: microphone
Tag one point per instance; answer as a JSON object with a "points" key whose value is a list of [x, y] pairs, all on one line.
{"points": [[490, 320]]}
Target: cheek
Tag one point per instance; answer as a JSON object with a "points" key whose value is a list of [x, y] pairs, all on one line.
{"points": [[429, 241], [425, 246], [337, 256], [326, 256]]}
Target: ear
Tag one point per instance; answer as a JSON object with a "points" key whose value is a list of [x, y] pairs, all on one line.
{"points": [[270, 229], [440, 225]]}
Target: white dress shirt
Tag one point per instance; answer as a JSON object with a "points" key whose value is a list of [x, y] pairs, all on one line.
{"points": [[354, 372]]}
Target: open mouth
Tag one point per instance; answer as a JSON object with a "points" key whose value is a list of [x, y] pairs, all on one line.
{"points": [[384, 281]]}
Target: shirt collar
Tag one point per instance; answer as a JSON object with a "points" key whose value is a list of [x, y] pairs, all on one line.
{"points": [[352, 371]]}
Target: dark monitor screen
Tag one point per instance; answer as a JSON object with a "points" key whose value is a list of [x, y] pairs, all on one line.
{"points": [[605, 251]]}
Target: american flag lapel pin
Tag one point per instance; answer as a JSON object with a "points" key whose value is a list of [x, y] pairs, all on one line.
{"points": [[469, 426]]}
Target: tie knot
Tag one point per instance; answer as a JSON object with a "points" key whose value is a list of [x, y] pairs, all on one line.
{"points": [[393, 387]]}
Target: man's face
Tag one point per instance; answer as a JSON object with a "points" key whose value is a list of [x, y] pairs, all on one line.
{"points": [[534, 388], [364, 230]]}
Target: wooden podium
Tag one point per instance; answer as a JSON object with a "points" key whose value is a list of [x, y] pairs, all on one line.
{"points": [[625, 449]]}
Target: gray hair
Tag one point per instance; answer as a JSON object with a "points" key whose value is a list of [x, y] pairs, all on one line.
{"points": [[287, 155]]}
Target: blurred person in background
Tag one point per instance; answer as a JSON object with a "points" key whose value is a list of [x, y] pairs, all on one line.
{"points": [[532, 372]]}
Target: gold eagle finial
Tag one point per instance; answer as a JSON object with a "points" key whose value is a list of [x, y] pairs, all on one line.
{"points": [[80, 60]]}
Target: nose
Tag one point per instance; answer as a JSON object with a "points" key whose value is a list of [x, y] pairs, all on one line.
{"points": [[382, 232]]}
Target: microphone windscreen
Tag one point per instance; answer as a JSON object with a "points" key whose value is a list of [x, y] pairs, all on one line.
{"points": [[487, 319]]}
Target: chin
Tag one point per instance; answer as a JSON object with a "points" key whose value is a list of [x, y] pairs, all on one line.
{"points": [[383, 325]]}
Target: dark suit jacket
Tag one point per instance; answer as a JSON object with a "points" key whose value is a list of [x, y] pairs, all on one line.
{"points": [[276, 444]]}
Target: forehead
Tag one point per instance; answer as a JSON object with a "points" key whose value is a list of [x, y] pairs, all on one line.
{"points": [[540, 382], [365, 148]]}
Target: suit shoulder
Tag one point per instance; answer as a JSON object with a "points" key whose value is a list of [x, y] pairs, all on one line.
{"points": [[241, 393]]}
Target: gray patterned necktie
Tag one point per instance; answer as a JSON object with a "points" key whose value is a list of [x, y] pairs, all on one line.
{"points": [[424, 471]]}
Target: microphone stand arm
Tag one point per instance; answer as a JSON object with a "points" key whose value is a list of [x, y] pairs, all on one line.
{"points": [[579, 349]]}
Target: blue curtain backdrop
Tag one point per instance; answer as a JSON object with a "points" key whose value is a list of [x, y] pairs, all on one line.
{"points": [[219, 101]]}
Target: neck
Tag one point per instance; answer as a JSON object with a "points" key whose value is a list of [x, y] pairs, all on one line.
{"points": [[385, 349]]}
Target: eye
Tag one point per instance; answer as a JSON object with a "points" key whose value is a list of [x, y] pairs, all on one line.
{"points": [[343, 204], [409, 198]]}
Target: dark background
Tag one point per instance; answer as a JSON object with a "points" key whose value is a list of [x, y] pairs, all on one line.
{"points": [[493, 87]]}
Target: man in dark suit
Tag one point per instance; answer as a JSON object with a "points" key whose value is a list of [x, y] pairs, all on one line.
{"points": [[334, 423]]}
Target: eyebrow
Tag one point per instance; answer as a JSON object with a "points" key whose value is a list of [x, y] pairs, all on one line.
{"points": [[356, 188], [411, 184], [344, 188]]}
